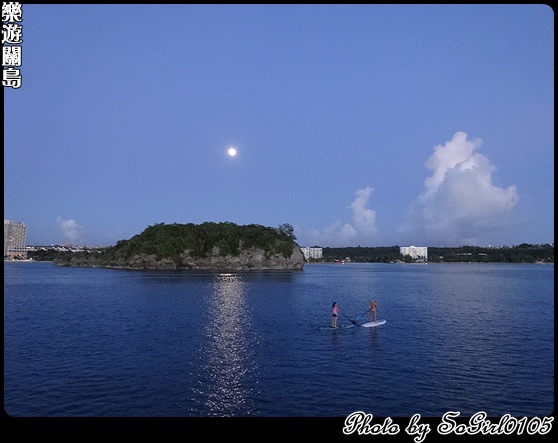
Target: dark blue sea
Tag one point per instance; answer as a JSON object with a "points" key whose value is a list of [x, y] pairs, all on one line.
{"points": [[83, 342]]}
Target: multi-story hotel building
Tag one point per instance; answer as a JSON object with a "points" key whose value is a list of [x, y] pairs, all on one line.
{"points": [[14, 240], [313, 252], [418, 253]]}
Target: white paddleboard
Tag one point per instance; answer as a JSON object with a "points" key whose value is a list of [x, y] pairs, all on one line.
{"points": [[372, 324]]}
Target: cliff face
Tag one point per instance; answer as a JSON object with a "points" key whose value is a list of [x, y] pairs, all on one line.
{"points": [[249, 259]]}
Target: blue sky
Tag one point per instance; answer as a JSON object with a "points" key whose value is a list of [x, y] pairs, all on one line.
{"points": [[370, 125]]}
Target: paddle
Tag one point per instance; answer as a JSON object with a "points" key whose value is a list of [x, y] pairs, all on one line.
{"points": [[352, 321], [358, 316]]}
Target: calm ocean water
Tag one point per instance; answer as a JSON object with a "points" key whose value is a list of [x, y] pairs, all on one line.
{"points": [[111, 343]]}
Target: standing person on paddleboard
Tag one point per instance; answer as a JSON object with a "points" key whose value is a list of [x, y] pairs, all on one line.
{"points": [[335, 312], [373, 310]]}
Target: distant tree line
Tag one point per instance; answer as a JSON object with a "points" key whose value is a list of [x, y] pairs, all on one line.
{"points": [[170, 240], [43, 254], [523, 253]]}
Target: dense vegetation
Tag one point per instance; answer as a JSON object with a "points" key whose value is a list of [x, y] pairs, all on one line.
{"points": [[524, 253], [171, 240]]}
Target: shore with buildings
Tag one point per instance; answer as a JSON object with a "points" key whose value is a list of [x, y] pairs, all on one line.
{"points": [[16, 250]]}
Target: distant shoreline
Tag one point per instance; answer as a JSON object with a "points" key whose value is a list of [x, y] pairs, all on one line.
{"points": [[423, 263]]}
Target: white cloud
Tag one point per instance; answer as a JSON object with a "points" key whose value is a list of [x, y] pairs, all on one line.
{"points": [[69, 231], [338, 234], [364, 219], [460, 205]]}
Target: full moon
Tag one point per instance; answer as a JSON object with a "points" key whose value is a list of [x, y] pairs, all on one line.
{"points": [[232, 152]]}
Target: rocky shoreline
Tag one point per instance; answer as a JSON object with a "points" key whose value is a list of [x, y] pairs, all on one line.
{"points": [[250, 259]]}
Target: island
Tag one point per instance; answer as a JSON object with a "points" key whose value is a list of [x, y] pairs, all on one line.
{"points": [[213, 246]]}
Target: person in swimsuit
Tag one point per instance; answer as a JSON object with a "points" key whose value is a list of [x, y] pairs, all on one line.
{"points": [[373, 309], [335, 312]]}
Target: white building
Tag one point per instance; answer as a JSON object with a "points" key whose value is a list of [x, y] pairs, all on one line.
{"points": [[417, 253], [313, 252], [14, 240]]}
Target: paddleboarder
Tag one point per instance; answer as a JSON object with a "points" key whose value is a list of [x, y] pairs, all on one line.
{"points": [[373, 309], [335, 313]]}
